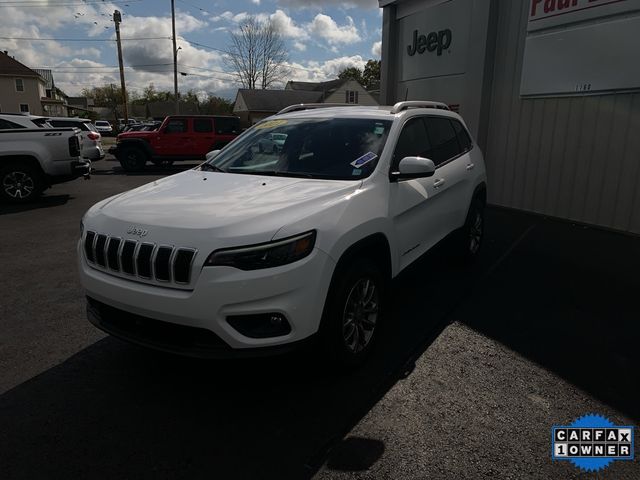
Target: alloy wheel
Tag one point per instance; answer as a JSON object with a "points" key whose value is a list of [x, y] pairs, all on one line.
{"points": [[360, 315], [18, 185], [475, 233]]}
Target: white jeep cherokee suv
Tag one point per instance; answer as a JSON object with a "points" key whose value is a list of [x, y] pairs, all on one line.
{"points": [[256, 251]]}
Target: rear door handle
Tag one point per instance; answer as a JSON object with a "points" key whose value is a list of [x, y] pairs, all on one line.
{"points": [[438, 183], [470, 166]]}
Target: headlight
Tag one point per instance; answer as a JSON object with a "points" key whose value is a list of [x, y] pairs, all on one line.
{"points": [[265, 255]]}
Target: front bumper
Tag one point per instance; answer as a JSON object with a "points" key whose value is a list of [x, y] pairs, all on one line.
{"points": [[297, 291]]}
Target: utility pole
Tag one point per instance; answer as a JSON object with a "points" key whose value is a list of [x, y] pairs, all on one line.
{"points": [[175, 56], [117, 18]]}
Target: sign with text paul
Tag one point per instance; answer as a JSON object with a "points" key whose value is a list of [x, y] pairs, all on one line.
{"points": [[581, 47], [434, 42]]}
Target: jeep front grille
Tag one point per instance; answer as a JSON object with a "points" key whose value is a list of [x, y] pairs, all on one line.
{"points": [[144, 260]]}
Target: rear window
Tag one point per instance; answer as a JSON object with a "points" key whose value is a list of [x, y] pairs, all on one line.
{"points": [[227, 126], [443, 139], [202, 125], [70, 124], [89, 126]]}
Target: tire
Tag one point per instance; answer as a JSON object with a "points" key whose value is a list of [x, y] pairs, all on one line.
{"points": [[470, 237], [133, 159], [348, 330], [20, 183]]}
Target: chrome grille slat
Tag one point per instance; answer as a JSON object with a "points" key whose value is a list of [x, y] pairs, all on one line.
{"points": [[121, 257]]}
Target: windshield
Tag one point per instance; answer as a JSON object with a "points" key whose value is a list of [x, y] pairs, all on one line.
{"points": [[331, 148]]}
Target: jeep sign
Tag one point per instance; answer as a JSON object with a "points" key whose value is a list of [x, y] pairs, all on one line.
{"points": [[433, 42], [437, 41]]}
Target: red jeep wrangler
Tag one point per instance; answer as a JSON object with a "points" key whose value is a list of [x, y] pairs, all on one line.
{"points": [[180, 137]]}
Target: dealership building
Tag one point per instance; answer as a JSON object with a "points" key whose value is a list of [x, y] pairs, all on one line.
{"points": [[549, 88]]}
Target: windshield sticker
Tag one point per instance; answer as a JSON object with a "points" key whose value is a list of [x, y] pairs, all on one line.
{"points": [[356, 171], [379, 130], [364, 159], [270, 124]]}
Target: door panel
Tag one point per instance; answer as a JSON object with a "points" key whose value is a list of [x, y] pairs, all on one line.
{"points": [[203, 136], [174, 139], [414, 204]]}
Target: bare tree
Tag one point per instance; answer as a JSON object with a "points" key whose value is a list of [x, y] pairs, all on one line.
{"points": [[257, 54]]}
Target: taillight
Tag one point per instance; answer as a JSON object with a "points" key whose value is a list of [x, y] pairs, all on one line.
{"points": [[74, 146], [93, 136]]}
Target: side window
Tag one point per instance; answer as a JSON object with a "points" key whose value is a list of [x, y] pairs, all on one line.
{"points": [[413, 141], [227, 126], [7, 125], [202, 125], [176, 125], [444, 142], [463, 136]]}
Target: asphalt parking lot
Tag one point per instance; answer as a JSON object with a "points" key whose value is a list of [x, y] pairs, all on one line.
{"points": [[476, 366]]}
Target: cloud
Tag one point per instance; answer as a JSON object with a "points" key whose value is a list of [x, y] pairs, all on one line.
{"points": [[314, 71], [286, 26], [322, 4], [325, 27], [376, 49], [301, 47]]}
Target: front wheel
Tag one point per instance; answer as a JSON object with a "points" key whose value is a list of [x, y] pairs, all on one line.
{"points": [[20, 183], [132, 159], [353, 312]]}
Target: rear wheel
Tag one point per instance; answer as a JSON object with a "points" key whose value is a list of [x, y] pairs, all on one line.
{"points": [[353, 312], [20, 183], [132, 159], [471, 235]]}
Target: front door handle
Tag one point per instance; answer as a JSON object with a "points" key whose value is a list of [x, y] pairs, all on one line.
{"points": [[438, 183], [470, 166]]}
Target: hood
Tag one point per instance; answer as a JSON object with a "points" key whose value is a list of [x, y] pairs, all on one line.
{"points": [[138, 134], [220, 205]]}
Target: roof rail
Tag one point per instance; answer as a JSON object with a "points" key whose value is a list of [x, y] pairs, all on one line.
{"points": [[309, 106], [400, 106]]}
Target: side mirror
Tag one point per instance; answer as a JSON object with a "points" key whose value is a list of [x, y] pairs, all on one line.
{"points": [[211, 155], [414, 167]]}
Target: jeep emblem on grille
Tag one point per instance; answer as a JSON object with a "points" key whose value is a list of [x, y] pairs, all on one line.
{"points": [[133, 230]]}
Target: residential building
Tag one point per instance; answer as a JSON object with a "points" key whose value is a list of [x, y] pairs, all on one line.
{"points": [[21, 88], [254, 105], [336, 91], [54, 101]]}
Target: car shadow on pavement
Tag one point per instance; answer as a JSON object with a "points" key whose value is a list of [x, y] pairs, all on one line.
{"points": [[45, 201], [114, 410], [118, 411], [567, 298]]}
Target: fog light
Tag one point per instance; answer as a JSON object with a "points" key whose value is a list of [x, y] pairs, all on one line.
{"points": [[261, 325]]}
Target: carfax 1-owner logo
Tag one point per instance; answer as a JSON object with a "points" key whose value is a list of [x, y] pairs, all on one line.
{"points": [[592, 442]]}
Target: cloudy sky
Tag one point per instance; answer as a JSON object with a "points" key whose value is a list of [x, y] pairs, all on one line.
{"points": [[322, 36]]}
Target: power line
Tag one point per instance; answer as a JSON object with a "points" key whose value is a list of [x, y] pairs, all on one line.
{"points": [[34, 39], [70, 67], [21, 4], [315, 70]]}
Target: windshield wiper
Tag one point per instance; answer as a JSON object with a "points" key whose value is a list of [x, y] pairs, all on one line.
{"points": [[211, 168]]}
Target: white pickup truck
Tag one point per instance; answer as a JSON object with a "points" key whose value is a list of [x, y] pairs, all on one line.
{"points": [[34, 156]]}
